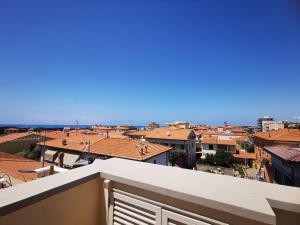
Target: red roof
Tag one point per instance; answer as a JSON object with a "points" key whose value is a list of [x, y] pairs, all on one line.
{"points": [[284, 135], [285, 152], [14, 136], [245, 155], [11, 164], [218, 141]]}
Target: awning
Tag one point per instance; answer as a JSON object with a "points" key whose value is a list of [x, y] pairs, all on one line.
{"points": [[50, 155], [70, 159]]}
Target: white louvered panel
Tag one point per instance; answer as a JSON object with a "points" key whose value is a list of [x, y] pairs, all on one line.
{"points": [[171, 218], [125, 210]]}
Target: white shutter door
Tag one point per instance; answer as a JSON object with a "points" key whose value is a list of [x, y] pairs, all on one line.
{"points": [[125, 210], [171, 218]]}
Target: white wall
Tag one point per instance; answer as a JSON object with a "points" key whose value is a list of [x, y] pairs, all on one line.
{"points": [[161, 159], [189, 147]]}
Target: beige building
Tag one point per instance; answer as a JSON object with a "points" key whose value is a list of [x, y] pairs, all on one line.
{"points": [[271, 125], [183, 140], [179, 124]]}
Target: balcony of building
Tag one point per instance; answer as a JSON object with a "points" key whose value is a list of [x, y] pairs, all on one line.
{"points": [[117, 191]]}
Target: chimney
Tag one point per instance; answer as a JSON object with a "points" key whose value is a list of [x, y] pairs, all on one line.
{"points": [[68, 134], [61, 159], [146, 148], [107, 134], [51, 170]]}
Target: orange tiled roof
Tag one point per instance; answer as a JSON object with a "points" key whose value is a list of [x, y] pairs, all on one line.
{"points": [[138, 133], [221, 133], [245, 155], [288, 135], [170, 133], [127, 148], [75, 142], [217, 141], [14, 136], [11, 164], [53, 134]]}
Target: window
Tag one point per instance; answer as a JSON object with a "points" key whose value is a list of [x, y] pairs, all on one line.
{"points": [[222, 147], [211, 147]]}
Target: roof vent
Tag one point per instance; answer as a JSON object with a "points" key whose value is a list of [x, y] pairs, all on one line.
{"points": [[142, 151], [168, 133], [64, 142]]}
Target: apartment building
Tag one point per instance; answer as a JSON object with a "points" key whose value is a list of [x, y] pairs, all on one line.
{"points": [[183, 140], [179, 124], [225, 140], [271, 125], [212, 144], [268, 124]]}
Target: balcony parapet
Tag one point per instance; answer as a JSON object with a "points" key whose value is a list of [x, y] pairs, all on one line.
{"points": [[240, 197]]}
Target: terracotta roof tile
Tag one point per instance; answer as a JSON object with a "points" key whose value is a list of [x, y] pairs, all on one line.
{"points": [[14, 136], [170, 133], [127, 148], [245, 155], [75, 142], [289, 135], [11, 164], [138, 133], [216, 140]]}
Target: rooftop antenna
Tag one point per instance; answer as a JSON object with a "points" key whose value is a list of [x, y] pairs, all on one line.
{"points": [[76, 127]]}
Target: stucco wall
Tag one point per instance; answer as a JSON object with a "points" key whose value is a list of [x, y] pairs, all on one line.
{"points": [[285, 169], [82, 204], [161, 159]]}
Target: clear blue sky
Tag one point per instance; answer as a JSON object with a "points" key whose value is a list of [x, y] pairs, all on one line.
{"points": [[136, 61]]}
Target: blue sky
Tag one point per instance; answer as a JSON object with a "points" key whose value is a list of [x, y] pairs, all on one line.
{"points": [[136, 61]]}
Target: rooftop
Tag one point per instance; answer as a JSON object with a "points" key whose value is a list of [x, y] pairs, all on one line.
{"points": [[12, 164], [75, 141], [14, 136], [285, 135], [170, 133], [284, 152], [245, 155], [128, 148], [218, 141]]}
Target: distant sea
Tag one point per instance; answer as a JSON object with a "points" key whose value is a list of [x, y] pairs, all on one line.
{"points": [[47, 126]]}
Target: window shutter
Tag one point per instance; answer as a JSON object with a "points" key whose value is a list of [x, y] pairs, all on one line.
{"points": [[125, 210], [171, 218]]}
